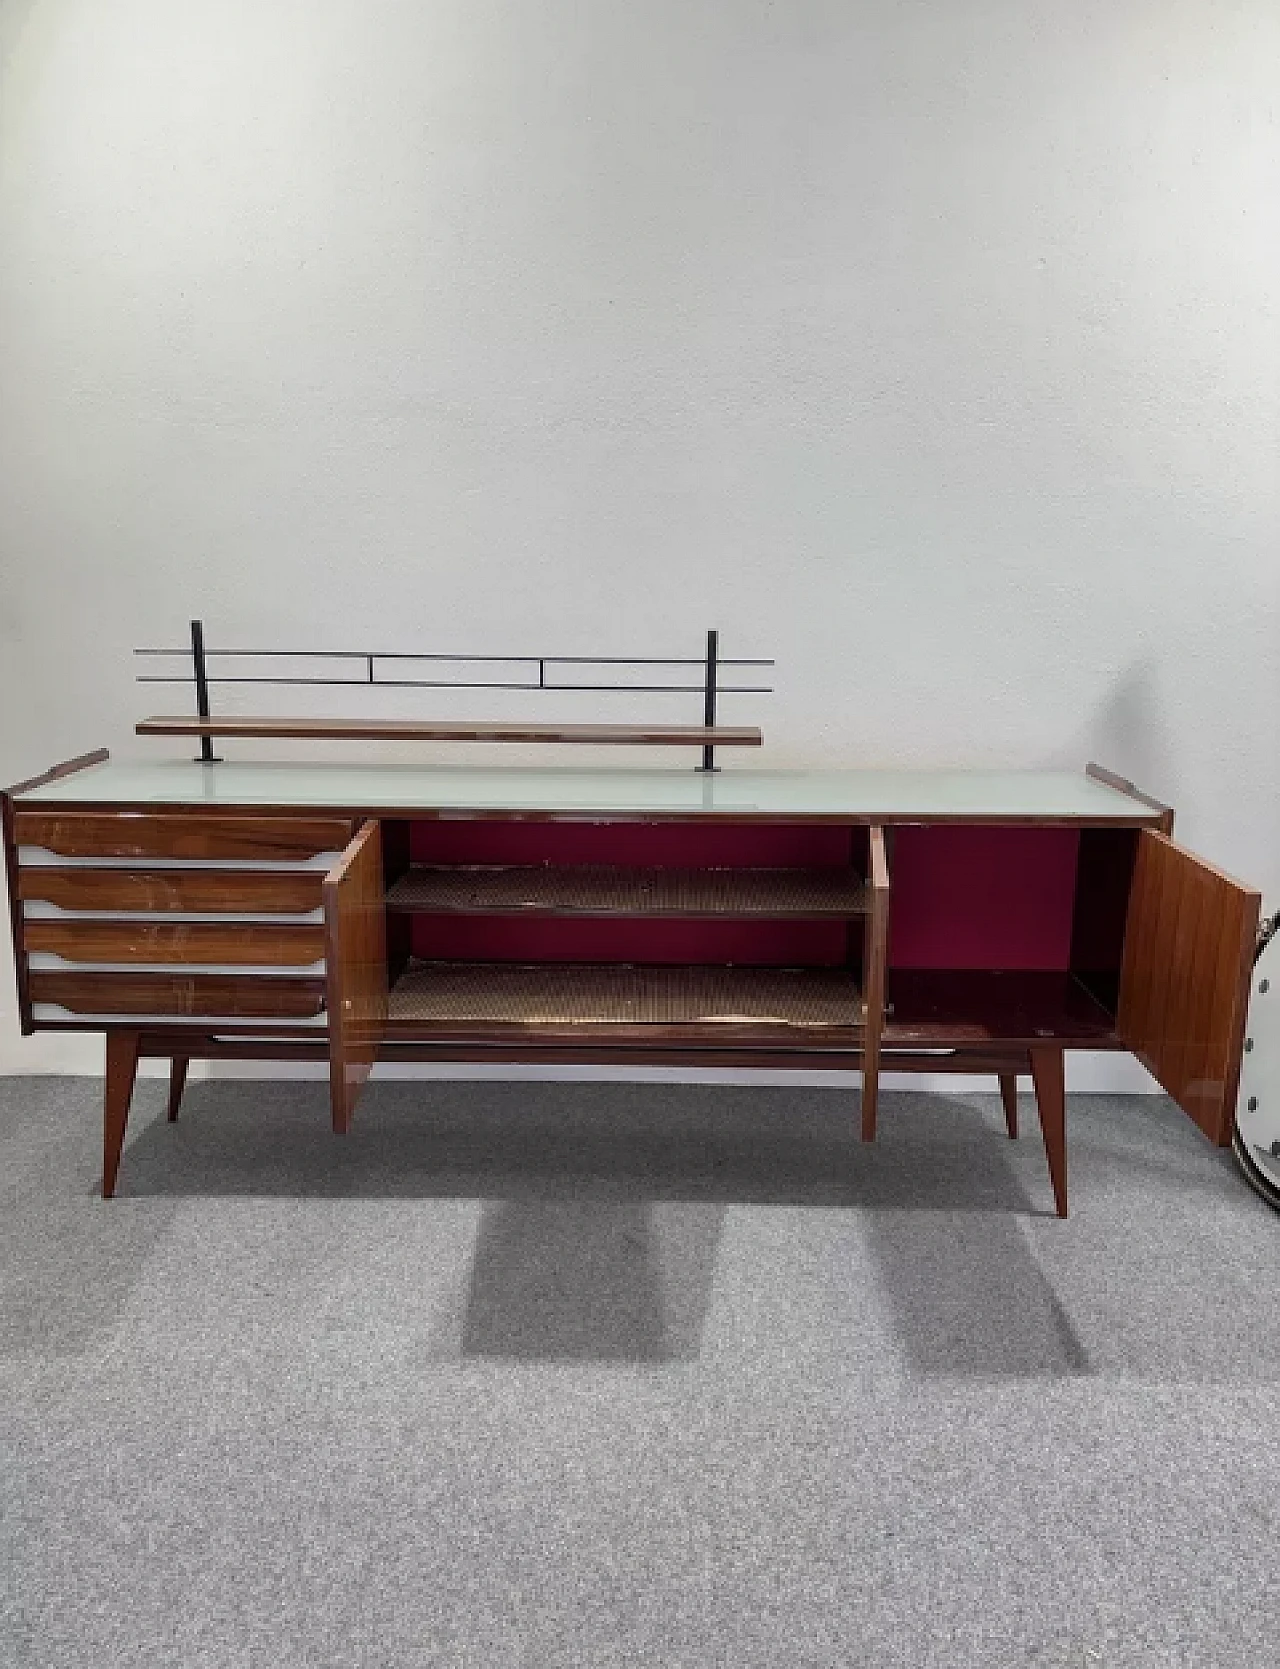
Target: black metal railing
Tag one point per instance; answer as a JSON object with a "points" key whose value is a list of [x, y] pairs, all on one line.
{"points": [[545, 672]]}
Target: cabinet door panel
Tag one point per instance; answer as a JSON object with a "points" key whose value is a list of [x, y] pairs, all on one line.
{"points": [[1184, 983], [356, 957]]}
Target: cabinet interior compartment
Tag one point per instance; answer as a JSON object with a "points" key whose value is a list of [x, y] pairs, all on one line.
{"points": [[685, 930], [1007, 933]]}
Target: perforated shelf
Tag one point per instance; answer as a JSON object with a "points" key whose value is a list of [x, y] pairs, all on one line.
{"points": [[712, 1005], [612, 890]]}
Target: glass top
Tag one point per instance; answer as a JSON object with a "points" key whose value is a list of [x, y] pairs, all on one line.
{"points": [[841, 796]]}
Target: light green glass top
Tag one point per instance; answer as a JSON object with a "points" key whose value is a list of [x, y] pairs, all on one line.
{"points": [[842, 796]]}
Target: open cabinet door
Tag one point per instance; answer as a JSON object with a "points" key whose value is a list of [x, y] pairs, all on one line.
{"points": [[1184, 982], [356, 968]]}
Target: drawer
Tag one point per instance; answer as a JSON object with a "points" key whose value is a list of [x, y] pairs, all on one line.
{"points": [[232, 942], [85, 834], [180, 996], [192, 891]]}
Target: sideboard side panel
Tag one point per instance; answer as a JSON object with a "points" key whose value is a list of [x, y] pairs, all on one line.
{"points": [[16, 915]]}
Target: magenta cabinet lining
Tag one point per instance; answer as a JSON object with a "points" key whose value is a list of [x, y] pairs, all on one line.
{"points": [[662, 845], [982, 897], [667, 845], [962, 897], [773, 944]]}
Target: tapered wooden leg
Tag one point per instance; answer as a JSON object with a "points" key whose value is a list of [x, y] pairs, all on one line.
{"points": [[870, 1101], [1009, 1095], [875, 974], [122, 1071], [1048, 1075], [177, 1082]]}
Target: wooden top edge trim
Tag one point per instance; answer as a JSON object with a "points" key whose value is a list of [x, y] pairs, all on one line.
{"points": [[1122, 785], [67, 768], [426, 730], [607, 814]]}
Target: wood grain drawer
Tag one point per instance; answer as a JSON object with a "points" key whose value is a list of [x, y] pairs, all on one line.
{"points": [[193, 891], [85, 834], [180, 995], [141, 941]]}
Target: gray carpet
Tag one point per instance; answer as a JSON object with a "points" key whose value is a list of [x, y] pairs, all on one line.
{"points": [[550, 1375]]}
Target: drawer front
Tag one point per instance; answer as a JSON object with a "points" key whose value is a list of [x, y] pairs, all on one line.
{"points": [[214, 996], [190, 891], [244, 943], [148, 918], [83, 834]]}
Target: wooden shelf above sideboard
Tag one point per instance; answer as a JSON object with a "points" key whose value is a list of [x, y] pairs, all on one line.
{"points": [[438, 730]]}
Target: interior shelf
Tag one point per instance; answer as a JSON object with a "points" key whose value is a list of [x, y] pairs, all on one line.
{"points": [[933, 1008], [620, 1002], [617, 890]]}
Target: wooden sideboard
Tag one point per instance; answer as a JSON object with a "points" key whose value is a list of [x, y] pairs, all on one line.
{"points": [[977, 922]]}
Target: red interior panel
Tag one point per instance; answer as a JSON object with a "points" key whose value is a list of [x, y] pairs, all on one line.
{"points": [[627, 939], [982, 897], [667, 845]]}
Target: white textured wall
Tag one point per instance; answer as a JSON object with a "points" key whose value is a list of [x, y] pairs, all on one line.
{"points": [[931, 347]]}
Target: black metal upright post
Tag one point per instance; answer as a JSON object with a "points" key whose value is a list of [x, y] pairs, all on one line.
{"points": [[207, 755], [709, 698]]}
